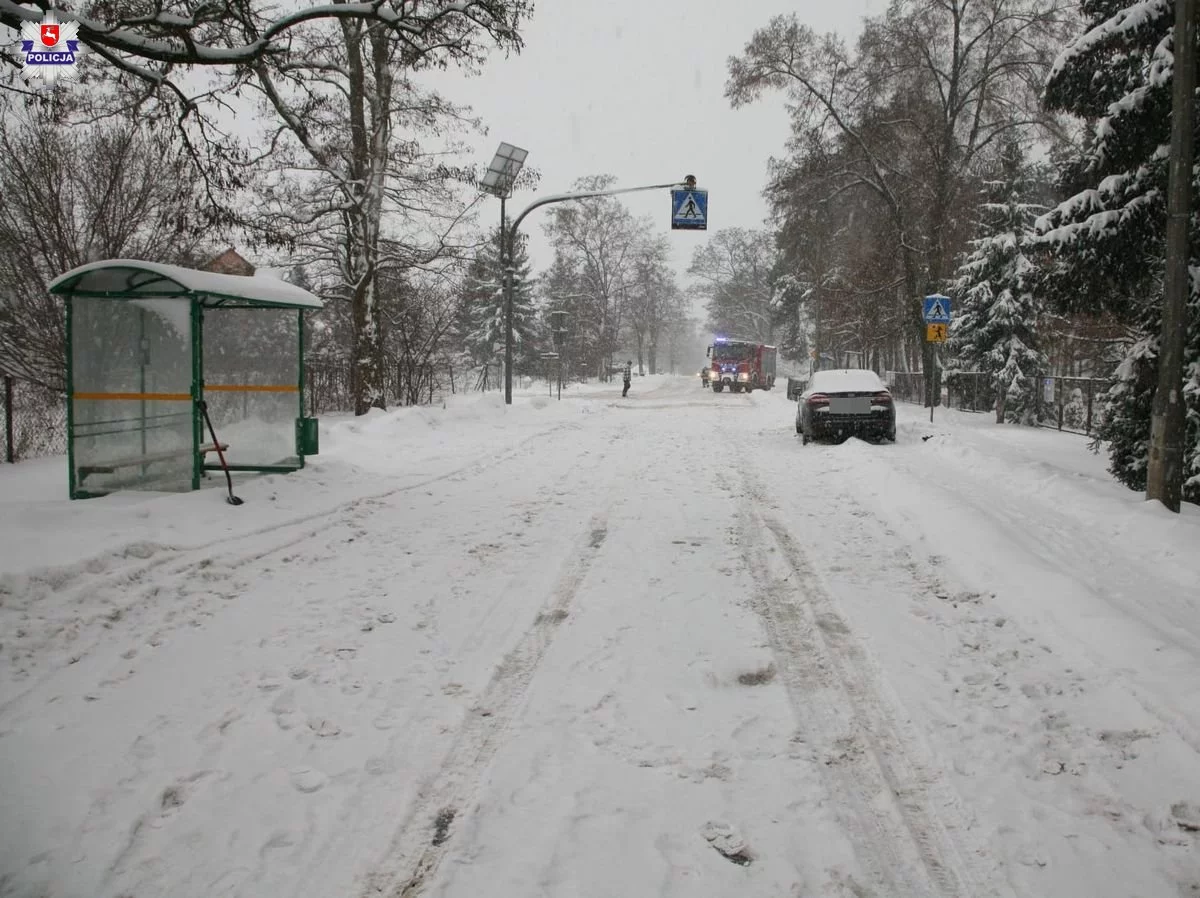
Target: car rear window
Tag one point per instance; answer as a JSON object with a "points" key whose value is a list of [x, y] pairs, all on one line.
{"points": [[845, 382]]}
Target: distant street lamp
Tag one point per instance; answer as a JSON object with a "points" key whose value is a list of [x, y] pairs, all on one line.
{"points": [[504, 162], [498, 181]]}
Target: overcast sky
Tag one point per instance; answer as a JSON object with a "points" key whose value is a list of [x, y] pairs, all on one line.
{"points": [[635, 88]]}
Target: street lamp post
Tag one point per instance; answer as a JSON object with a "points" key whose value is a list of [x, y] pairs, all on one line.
{"points": [[689, 182], [498, 181], [558, 323]]}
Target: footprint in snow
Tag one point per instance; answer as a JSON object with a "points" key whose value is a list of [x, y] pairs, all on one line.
{"points": [[387, 720], [323, 728], [269, 683], [1186, 816], [379, 766], [284, 710], [727, 841], [308, 780]]}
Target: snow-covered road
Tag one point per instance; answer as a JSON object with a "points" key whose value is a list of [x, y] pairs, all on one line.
{"points": [[606, 647]]}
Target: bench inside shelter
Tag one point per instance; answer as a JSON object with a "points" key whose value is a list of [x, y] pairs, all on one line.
{"points": [[112, 466]]}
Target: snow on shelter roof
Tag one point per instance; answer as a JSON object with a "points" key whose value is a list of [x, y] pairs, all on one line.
{"points": [[135, 279]]}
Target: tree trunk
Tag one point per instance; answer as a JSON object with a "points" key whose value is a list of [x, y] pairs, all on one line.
{"points": [[653, 357], [370, 137], [368, 349]]}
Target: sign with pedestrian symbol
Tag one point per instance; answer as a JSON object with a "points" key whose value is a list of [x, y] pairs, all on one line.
{"points": [[936, 333], [937, 309], [689, 210]]}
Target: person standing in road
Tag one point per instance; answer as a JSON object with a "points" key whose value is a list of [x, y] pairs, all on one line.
{"points": [[628, 378]]}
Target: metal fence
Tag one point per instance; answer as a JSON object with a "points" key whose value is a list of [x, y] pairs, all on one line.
{"points": [[907, 386], [1073, 404], [329, 386], [35, 420]]}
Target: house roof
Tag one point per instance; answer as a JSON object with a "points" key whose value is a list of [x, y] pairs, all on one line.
{"points": [[229, 262], [137, 279]]}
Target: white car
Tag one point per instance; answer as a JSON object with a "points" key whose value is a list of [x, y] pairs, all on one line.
{"points": [[842, 403]]}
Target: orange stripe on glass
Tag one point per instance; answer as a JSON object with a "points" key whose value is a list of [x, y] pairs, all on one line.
{"points": [[153, 397], [251, 388]]}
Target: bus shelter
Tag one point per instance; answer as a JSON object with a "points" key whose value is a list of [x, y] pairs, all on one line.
{"points": [[151, 347]]}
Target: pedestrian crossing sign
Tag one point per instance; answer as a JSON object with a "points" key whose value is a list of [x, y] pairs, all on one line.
{"points": [[689, 210], [937, 309]]}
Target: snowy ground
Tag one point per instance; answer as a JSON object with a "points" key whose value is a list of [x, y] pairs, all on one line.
{"points": [[606, 647]]}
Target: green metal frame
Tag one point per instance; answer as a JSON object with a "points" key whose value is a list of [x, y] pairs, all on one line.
{"points": [[198, 354], [72, 491], [257, 469], [300, 383], [197, 392], [198, 304]]}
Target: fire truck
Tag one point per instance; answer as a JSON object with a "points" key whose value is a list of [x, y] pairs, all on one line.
{"points": [[741, 365]]}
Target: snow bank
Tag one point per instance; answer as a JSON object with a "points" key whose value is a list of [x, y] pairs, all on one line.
{"points": [[1056, 470], [361, 456]]}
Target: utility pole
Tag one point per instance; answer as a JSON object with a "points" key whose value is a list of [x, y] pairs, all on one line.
{"points": [[1164, 475]]}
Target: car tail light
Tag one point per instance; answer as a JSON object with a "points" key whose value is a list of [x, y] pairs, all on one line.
{"points": [[883, 397], [818, 399]]}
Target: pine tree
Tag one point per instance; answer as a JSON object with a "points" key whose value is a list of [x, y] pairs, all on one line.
{"points": [[480, 316], [1108, 238], [996, 330]]}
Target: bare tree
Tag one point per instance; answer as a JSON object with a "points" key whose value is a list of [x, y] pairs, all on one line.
{"points": [[735, 270], [601, 237], [157, 42], [653, 299], [419, 316], [361, 191], [75, 196], [933, 86]]}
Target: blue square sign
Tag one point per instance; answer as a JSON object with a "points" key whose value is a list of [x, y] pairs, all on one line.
{"points": [[689, 210], [937, 309]]}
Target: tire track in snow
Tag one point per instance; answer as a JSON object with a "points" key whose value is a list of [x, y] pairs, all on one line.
{"points": [[96, 573], [420, 844], [184, 564], [905, 823]]}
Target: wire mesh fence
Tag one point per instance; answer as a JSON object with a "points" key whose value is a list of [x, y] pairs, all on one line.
{"points": [[329, 386], [907, 386], [35, 420], [1074, 404]]}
